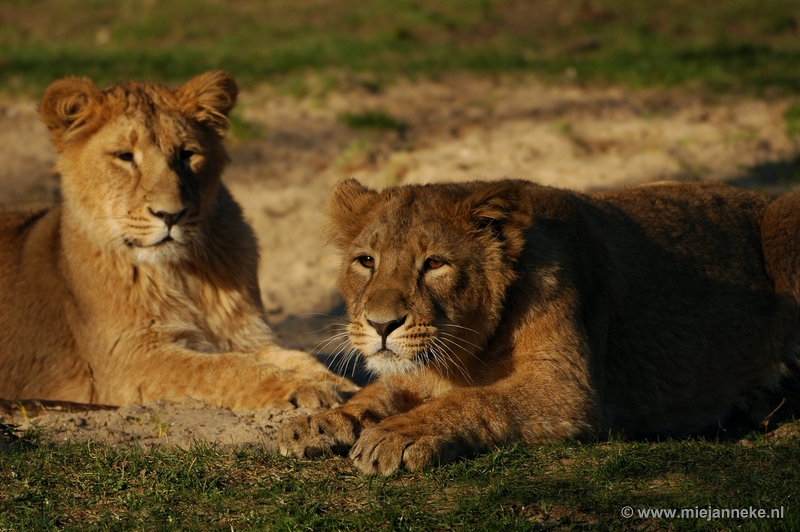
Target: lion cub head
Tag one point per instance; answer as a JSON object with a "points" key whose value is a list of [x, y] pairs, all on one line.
{"points": [[140, 162], [425, 269]]}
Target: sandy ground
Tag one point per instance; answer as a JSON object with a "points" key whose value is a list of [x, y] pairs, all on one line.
{"points": [[457, 128]]}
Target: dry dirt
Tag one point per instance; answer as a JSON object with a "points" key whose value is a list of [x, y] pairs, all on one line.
{"points": [[457, 128]]}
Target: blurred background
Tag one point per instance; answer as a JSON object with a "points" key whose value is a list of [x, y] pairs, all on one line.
{"points": [[739, 45], [585, 94]]}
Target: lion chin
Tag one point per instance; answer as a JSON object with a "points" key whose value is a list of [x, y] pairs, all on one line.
{"points": [[546, 315], [142, 284], [162, 252], [167, 247], [387, 362]]}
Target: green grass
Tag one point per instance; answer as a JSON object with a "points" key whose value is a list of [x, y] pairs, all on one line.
{"points": [[792, 118], [738, 45], [242, 129], [561, 487], [373, 120]]}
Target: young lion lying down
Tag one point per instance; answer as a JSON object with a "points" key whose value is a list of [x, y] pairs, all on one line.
{"points": [[143, 283], [511, 312]]}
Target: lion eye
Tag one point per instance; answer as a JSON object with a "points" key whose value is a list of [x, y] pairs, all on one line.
{"points": [[125, 156], [433, 264], [186, 154], [366, 261]]}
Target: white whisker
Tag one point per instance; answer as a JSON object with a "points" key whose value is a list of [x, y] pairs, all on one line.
{"points": [[326, 328], [452, 339], [450, 356], [460, 327], [456, 337], [325, 343], [343, 355]]}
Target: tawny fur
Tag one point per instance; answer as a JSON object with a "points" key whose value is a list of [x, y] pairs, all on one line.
{"points": [[142, 284], [511, 312]]}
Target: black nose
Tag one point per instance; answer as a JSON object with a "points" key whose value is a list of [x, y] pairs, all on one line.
{"points": [[169, 218], [386, 328]]}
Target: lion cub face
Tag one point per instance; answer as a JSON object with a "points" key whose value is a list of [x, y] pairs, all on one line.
{"points": [[140, 162], [414, 270]]}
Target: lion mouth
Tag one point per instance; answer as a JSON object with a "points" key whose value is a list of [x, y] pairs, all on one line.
{"points": [[388, 362], [135, 243], [419, 358]]}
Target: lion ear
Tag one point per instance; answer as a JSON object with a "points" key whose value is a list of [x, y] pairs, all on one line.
{"points": [[67, 107], [504, 209], [348, 205], [209, 99]]}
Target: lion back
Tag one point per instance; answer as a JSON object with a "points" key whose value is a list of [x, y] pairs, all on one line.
{"points": [[780, 235]]}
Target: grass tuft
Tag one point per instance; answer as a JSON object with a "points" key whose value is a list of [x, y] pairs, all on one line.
{"points": [[373, 120]]}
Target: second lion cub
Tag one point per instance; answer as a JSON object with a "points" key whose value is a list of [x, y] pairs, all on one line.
{"points": [[500, 312]]}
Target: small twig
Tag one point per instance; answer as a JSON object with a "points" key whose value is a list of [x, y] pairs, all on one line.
{"points": [[765, 421]]}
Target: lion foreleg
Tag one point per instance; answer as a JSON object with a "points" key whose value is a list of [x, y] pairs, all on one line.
{"points": [[232, 380], [302, 362], [466, 422]]}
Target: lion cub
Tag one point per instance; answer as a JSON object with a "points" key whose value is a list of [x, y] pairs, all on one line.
{"points": [[510, 312], [142, 283]]}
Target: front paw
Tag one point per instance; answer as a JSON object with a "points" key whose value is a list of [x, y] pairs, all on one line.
{"points": [[330, 432], [315, 394], [382, 450]]}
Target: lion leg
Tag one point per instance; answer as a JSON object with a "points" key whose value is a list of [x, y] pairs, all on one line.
{"points": [[232, 380], [469, 421], [305, 364]]}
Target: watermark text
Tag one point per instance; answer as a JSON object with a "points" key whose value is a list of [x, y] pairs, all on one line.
{"points": [[707, 513]]}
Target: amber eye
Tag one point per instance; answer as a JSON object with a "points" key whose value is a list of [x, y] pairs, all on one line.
{"points": [[433, 264], [366, 261], [126, 156]]}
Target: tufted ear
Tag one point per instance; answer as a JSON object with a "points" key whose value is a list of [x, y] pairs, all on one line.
{"points": [[68, 107], [348, 205], [209, 98], [504, 209]]}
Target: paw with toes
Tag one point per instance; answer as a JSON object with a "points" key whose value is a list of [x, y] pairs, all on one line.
{"points": [[382, 450], [313, 394], [331, 432]]}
